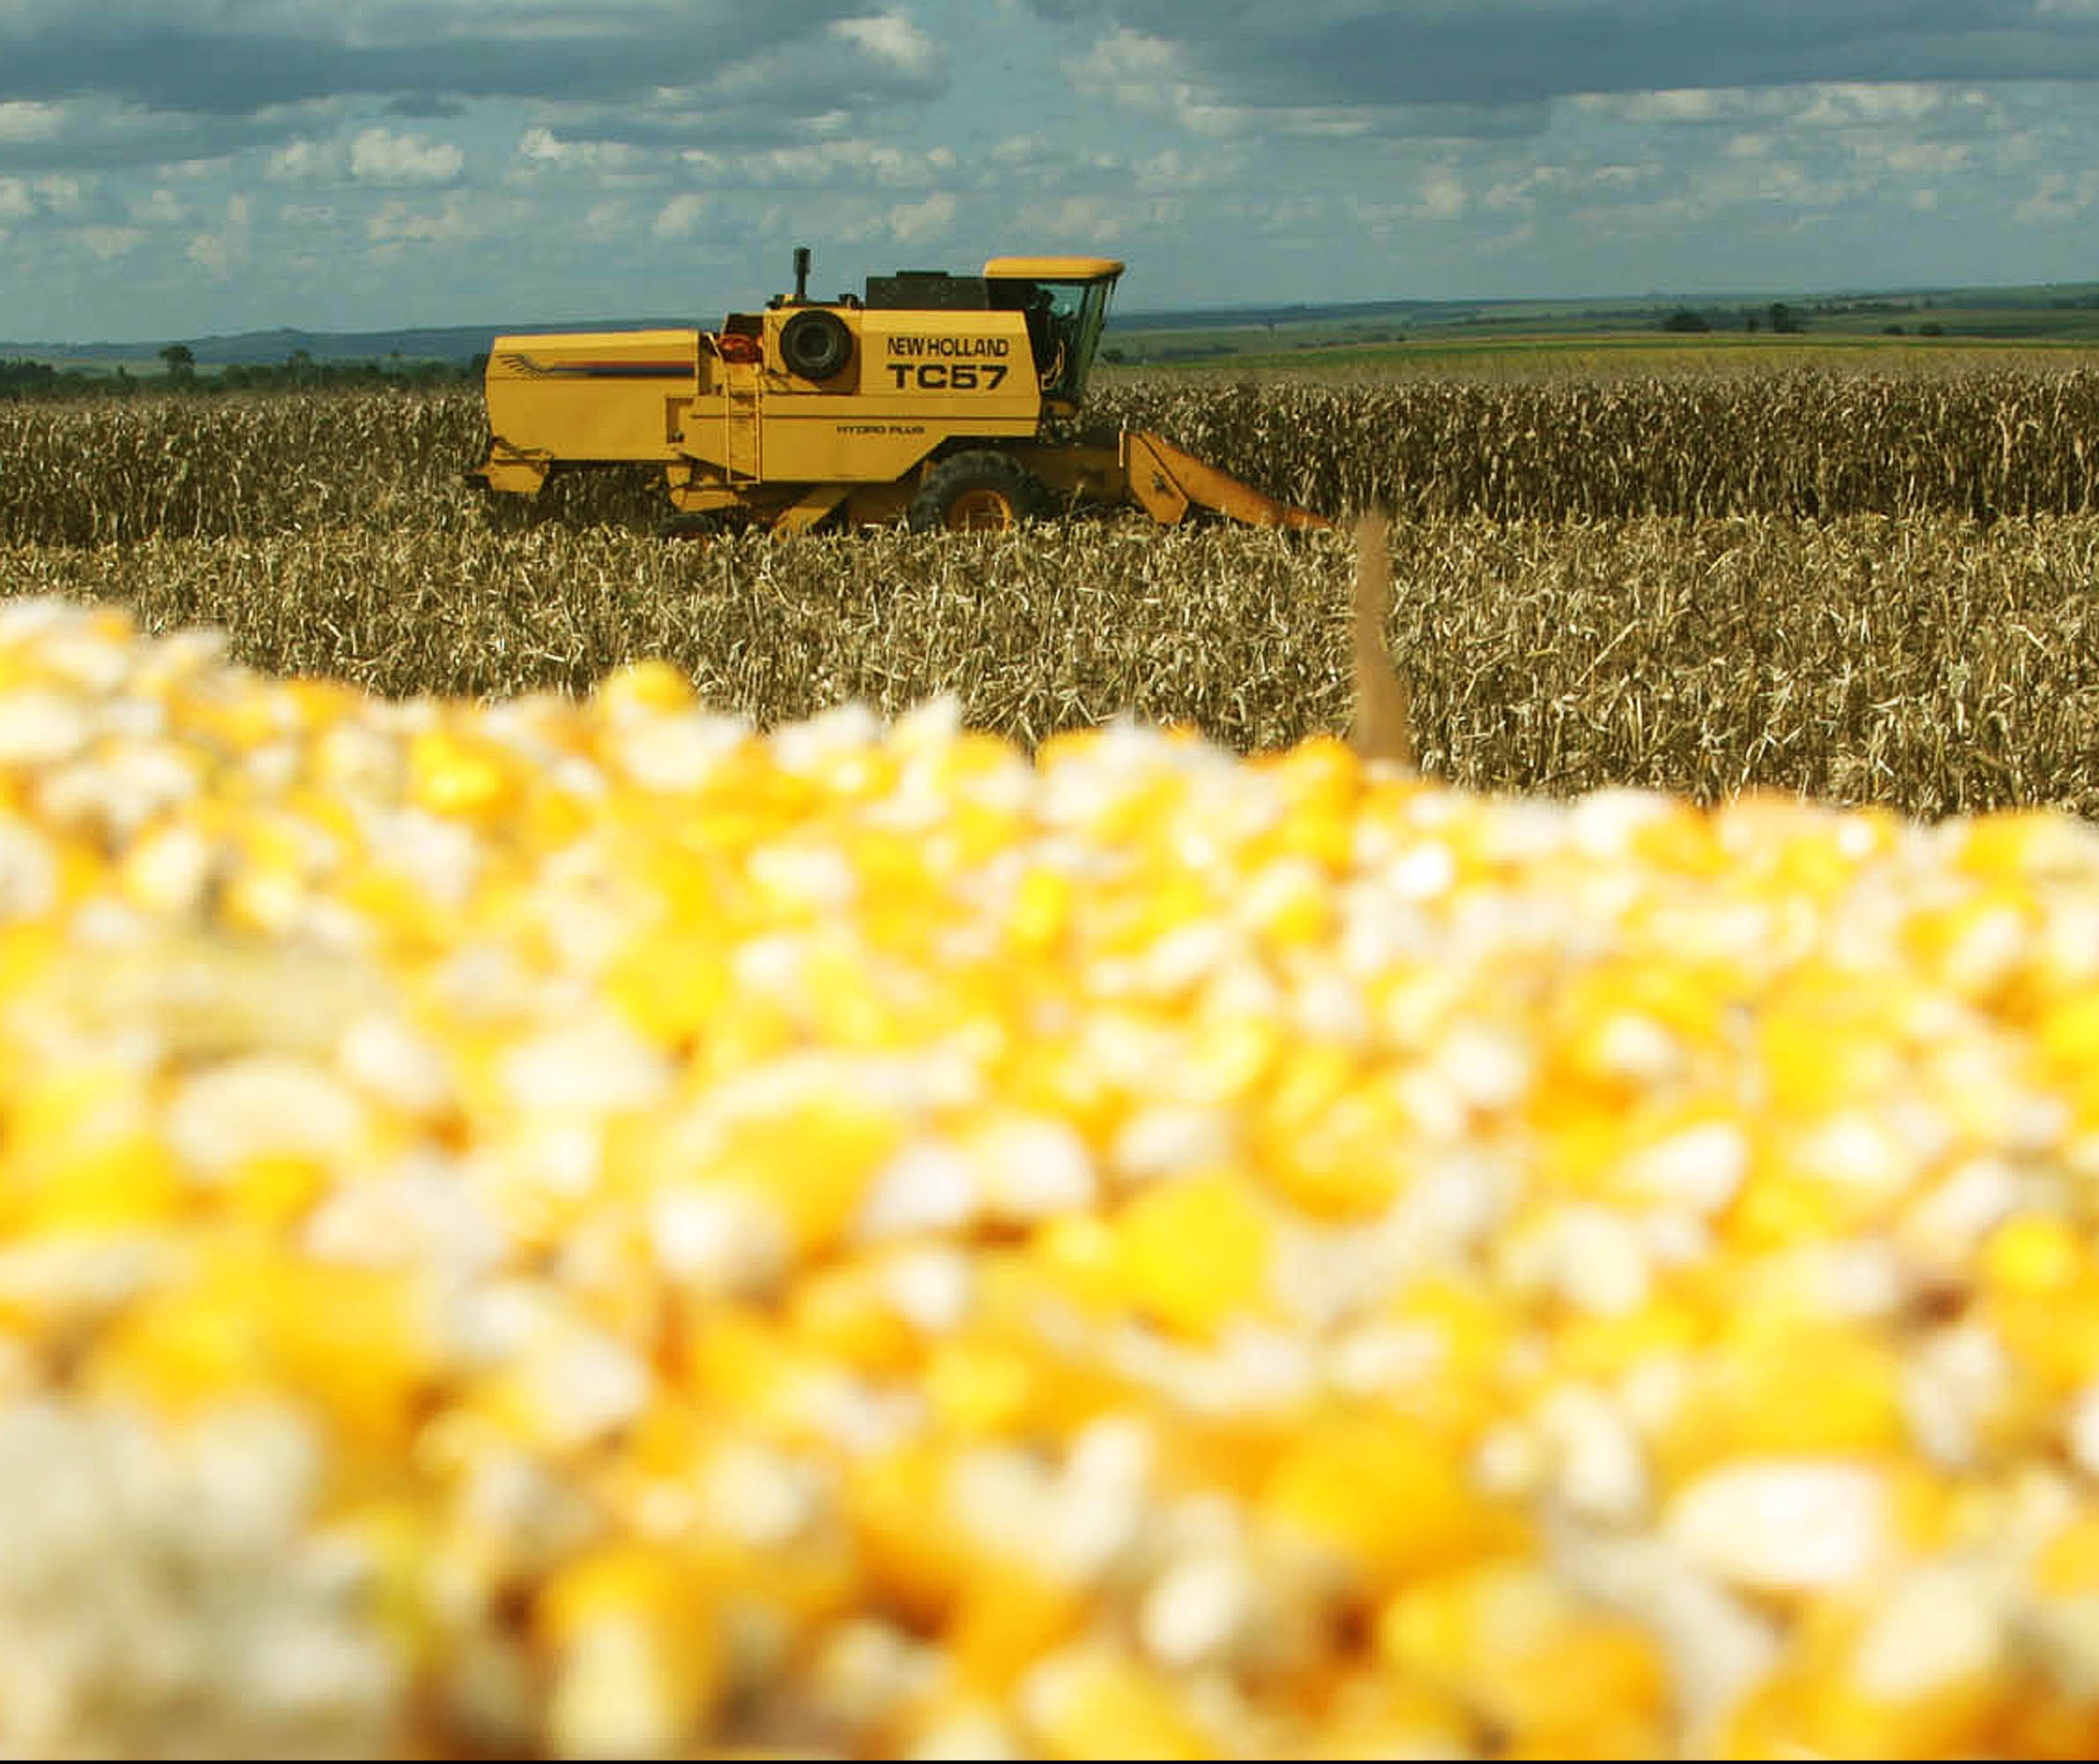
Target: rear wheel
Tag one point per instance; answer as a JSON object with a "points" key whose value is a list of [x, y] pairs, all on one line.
{"points": [[981, 491]]}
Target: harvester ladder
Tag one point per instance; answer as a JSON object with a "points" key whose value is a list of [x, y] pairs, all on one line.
{"points": [[741, 412]]}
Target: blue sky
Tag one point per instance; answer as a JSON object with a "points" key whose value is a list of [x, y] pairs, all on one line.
{"points": [[181, 169]]}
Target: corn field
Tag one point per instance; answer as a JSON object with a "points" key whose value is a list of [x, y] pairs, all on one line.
{"points": [[1701, 585], [1985, 444], [1925, 663]]}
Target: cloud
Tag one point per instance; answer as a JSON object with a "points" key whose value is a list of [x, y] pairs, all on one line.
{"points": [[540, 148], [60, 194], [428, 58], [1496, 53], [23, 120], [892, 38], [679, 217], [109, 242], [1082, 220], [222, 252], [1444, 196], [857, 162], [379, 156], [2060, 197], [398, 223], [301, 161], [932, 218], [159, 209]]}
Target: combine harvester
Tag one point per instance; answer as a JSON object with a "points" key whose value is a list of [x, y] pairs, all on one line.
{"points": [[926, 399]]}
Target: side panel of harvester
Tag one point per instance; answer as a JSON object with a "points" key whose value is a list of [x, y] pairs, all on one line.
{"points": [[914, 380], [584, 395]]}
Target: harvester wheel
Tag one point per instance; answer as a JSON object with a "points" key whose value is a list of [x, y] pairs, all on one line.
{"points": [[984, 490]]}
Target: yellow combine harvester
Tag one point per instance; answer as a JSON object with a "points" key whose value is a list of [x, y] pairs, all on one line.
{"points": [[927, 399]]}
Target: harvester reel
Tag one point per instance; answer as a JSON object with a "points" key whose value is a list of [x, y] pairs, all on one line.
{"points": [[980, 491], [816, 344]]}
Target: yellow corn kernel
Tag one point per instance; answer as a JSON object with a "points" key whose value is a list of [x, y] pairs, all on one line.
{"points": [[842, 1315], [1195, 1253], [453, 774], [2068, 1562], [1042, 909], [980, 1390], [912, 1560], [2034, 1257], [815, 1163], [1009, 1619], [1810, 1391], [1528, 1657], [1386, 1499], [639, 1671], [645, 687], [1094, 1703]]}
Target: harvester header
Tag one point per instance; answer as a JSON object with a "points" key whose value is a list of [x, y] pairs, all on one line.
{"points": [[928, 397]]}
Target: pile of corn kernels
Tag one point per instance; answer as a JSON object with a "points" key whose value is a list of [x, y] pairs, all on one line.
{"points": [[583, 1229]]}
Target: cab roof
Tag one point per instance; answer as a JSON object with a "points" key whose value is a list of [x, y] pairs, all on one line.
{"points": [[1053, 268]]}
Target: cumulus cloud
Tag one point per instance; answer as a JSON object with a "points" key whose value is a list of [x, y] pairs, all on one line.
{"points": [[1444, 196], [61, 194], [109, 242], [379, 156], [679, 217], [2060, 198], [930, 219], [893, 38], [161, 207], [219, 253], [401, 223], [857, 162], [299, 161], [541, 149], [1081, 220], [23, 120]]}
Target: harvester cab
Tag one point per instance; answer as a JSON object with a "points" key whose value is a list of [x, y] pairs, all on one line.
{"points": [[1064, 303], [930, 398]]}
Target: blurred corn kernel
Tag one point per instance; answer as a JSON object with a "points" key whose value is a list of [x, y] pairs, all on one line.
{"points": [[580, 1227]]}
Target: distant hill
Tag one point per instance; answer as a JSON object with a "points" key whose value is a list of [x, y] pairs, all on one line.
{"points": [[455, 345]]}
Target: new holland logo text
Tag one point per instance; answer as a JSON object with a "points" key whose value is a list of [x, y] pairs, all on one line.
{"points": [[967, 364]]}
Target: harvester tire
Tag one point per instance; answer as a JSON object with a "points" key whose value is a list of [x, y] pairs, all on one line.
{"points": [[983, 490], [816, 344]]}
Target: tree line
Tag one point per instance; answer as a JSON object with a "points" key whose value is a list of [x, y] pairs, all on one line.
{"points": [[297, 372]]}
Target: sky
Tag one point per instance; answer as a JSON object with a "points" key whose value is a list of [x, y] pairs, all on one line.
{"points": [[198, 167]]}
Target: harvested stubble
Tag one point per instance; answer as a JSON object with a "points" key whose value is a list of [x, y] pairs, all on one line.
{"points": [[1929, 664], [588, 1229], [1989, 443]]}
